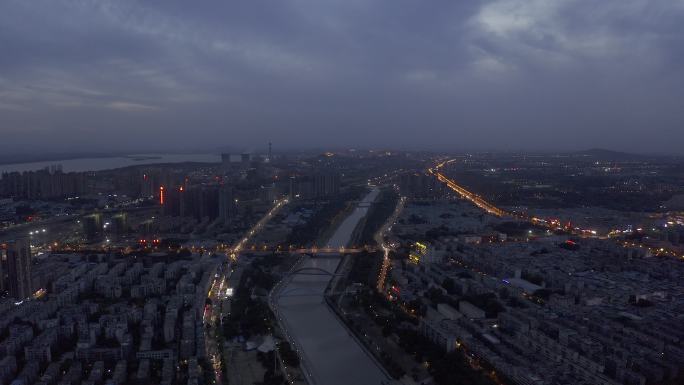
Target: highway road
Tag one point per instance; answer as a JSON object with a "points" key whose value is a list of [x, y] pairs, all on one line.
{"points": [[465, 193], [549, 224]]}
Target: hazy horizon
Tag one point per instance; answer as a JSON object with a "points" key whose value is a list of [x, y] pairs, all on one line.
{"points": [[498, 75], [42, 157]]}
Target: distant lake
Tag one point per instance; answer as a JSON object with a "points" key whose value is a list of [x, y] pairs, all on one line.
{"points": [[108, 163]]}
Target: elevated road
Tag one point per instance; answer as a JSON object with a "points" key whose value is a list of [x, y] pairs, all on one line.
{"points": [[550, 224], [466, 194]]}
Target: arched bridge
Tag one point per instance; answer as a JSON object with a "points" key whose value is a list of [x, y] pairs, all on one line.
{"points": [[311, 271], [303, 291], [299, 292], [331, 250]]}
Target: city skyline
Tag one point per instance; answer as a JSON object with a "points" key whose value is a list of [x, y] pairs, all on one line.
{"points": [[326, 268], [321, 192], [497, 75]]}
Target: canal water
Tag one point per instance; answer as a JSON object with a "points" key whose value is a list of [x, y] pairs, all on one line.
{"points": [[330, 353]]}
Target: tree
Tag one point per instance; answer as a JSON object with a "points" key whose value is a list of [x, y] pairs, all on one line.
{"points": [[542, 293], [503, 293], [449, 285], [288, 355]]}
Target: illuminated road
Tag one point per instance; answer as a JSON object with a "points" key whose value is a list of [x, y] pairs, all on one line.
{"points": [[493, 210], [463, 192], [219, 292], [550, 224], [314, 250], [379, 239], [235, 250]]}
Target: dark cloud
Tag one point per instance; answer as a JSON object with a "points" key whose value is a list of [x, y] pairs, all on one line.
{"points": [[498, 74]]}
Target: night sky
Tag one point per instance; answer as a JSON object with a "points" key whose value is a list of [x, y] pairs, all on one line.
{"points": [[545, 75]]}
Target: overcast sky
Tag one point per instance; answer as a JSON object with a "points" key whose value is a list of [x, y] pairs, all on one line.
{"points": [[125, 75]]}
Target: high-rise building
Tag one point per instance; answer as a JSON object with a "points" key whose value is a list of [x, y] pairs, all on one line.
{"points": [[19, 269], [320, 185], [152, 179], [197, 201], [418, 185], [267, 193], [120, 224], [292, 187], [208, 203], [173, 201], [92, 226], [42, 184], [3, 258], [326, 184], [227, 210]]}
